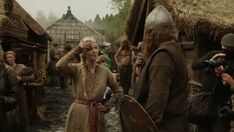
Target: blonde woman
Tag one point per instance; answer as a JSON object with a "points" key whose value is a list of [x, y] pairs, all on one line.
{"points": [[86, 114]]}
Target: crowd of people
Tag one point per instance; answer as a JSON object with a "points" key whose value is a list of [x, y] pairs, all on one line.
{"points": [[154, 72]]}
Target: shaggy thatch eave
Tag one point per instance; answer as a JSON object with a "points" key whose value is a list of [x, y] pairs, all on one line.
{"points": [[215, 17], [211, 16], [15, 22], [27, 18]]}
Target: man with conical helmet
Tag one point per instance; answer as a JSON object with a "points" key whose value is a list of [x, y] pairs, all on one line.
{"points": [[162, 85]]}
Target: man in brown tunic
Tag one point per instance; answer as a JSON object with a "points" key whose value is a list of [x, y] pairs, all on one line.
{"points": [[161, 88], [22, 77], [8, 93]]}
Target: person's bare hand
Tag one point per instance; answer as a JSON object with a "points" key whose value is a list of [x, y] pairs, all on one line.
{"points": [[139, 60], [219, 70], [103, 108], [82, 45], [85, 45], [227, 79], [120, 48], [19, 78]]}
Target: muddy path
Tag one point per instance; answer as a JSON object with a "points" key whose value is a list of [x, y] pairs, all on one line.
{"points": [[57, 102]]}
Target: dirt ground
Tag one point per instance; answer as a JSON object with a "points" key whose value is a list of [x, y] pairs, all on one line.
{"points": [[57, 102]]}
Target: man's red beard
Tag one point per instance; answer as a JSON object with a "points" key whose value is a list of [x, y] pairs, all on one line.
{"points": [[154, 38], [151, 44]]}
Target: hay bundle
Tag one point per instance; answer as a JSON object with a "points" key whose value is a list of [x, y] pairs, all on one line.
{"points": [[210, 16], [2, 9], [217, 15]]}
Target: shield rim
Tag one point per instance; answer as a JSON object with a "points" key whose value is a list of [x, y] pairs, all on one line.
{"points": [[129, 98]]}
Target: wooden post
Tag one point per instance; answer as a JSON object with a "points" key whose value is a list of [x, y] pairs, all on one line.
{"points": [[34, 61]]}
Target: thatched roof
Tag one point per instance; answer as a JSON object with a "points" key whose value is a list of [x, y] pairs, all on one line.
{"points": [[15, 22], [211, 16], [27, 18], [215, 14]]}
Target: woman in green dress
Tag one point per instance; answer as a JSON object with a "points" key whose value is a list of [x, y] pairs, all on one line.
{"points": [[86, 113]]}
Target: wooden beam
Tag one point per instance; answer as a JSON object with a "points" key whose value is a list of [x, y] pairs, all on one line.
{"points": [[140, 15]]}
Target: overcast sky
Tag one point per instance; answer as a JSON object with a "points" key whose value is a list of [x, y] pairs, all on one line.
{"points": [[82, 9]]}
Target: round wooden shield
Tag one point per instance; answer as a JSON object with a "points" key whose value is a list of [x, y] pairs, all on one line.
{"points": [[134, 118]]}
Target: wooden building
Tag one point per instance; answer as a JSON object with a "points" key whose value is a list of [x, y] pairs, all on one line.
{"points": [[68, 30], [203, 22], [19, 32]]}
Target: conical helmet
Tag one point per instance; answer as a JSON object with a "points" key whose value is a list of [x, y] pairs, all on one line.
{"points": [[159, 18], [228, 40]]}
